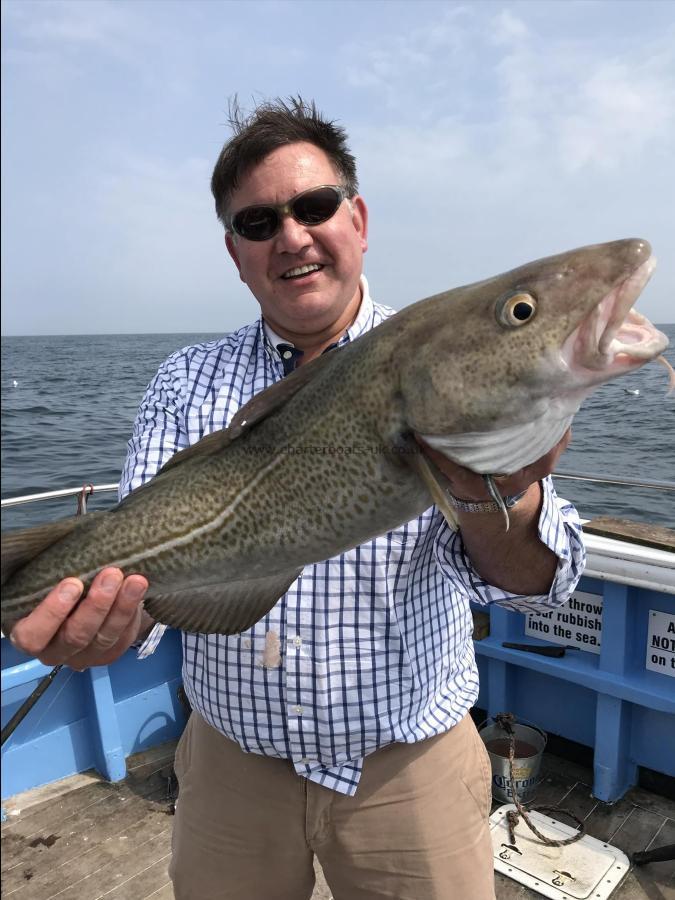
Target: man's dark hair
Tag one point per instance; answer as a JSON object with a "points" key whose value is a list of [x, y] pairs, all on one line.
{"points": [[273, 124]]}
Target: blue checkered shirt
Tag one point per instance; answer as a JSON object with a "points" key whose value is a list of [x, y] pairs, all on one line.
{"points": [[370, 647]]}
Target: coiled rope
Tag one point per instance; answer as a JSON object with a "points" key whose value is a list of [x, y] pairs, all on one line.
{"points": [[506, 722]]}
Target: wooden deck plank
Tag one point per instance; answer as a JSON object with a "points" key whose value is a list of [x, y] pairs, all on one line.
{"points": [[141, 885], [641, 829], [163, 893], [89, 858], [117, 874], [113, 841], [657, 536], [606, 819], [99, 822], [150, 757], [638, 830], [663, 873], [60, 799], [48, 816], [91, 800], [655, 803], [552, 791], [580, 802], [36, 800]]}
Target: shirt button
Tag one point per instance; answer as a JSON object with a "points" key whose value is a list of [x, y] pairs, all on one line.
{"points": [[297, 640], [305, 761], [298, 710]]}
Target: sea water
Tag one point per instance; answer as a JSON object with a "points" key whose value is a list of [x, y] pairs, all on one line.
{"points": [[69, 403]]}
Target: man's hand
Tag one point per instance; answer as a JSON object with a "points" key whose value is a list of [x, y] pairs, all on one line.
{"points": [[468, 485], [516, 560], [94, 632]]}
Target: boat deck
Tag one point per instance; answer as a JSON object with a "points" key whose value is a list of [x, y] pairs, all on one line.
{"points": [[84, 838]]}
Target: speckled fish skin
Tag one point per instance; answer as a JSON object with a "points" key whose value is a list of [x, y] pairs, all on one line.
{"points": [[223, 531]]}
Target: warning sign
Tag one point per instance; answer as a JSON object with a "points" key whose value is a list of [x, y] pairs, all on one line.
{"points": [[576, 624], [661, 643]]}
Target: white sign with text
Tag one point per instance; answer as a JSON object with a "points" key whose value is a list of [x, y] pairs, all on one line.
{"points": [[576, 624], [661, 643]]}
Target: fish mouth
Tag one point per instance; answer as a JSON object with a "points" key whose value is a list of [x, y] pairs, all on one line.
{"points": [[615, 338]]}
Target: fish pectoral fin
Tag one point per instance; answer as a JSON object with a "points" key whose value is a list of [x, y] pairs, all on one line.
{"points": [[432, 478], [220, 608], [21, 546], [259, 407]]}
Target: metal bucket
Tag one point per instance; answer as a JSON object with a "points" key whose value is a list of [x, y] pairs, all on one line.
{"points": [[525, 766]]}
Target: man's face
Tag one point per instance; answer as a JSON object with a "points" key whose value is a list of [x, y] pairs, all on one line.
{"points": [[305, 304]]}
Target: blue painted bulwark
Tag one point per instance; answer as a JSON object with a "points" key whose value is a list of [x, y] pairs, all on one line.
{"points": [[608, 701], [88, 720]]}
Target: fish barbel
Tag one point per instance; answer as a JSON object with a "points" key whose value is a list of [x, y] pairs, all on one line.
{"points": [[491, 374]]}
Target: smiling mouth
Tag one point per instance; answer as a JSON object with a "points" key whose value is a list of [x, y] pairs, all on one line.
{"points": [[301, 271]]}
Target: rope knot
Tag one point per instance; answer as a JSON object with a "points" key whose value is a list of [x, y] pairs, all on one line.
{"points": [[506, 721]]}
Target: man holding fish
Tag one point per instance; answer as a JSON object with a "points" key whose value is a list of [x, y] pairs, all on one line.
{"points": [[338, 724]]}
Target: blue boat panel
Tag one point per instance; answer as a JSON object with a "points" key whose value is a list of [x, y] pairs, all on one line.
{"points": [[63, 704], [57, 754], [93, 719], [557, 706], [151, 717], [608, 701], [152, 671], [652, 740]]}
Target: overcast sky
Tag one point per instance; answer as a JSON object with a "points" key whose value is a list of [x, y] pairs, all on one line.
{"points": [[488, 134]]}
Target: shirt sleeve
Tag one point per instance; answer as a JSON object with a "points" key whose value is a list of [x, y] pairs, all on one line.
{"points": [[159, 430], [559, 528], [158, 433]]}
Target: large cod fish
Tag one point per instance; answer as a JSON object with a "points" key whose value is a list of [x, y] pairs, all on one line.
{"points": [[490, 374]]}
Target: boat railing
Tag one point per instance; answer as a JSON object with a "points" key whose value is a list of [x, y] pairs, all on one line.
{"points": [[625, 482], [90, 489], [607, 558]]}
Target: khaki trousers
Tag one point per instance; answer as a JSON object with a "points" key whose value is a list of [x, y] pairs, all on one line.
{"points": [[247, 826]]}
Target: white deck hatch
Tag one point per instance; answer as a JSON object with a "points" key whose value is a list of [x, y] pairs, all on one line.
{"points": [[588, 868]]}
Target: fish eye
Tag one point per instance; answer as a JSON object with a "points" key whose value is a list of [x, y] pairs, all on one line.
{"points": [[516, 309]]}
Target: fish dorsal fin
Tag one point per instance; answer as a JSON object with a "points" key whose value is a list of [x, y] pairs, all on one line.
{"points": [[228, 608], [257, 409], [274, 397], [19, 547]]}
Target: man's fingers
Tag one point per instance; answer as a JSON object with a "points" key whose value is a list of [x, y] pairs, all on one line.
{"points": [[80, 628], [121, 613], [94, 631], [84, 632], [34, 632], [95, 656]]}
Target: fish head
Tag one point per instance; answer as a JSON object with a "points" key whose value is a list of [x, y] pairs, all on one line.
{"points": [[504, 364]]}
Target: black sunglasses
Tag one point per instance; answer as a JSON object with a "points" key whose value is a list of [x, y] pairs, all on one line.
{"points": [[311, 207]]}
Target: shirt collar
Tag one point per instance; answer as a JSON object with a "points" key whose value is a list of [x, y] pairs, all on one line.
{"points": [[363, 322]]}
